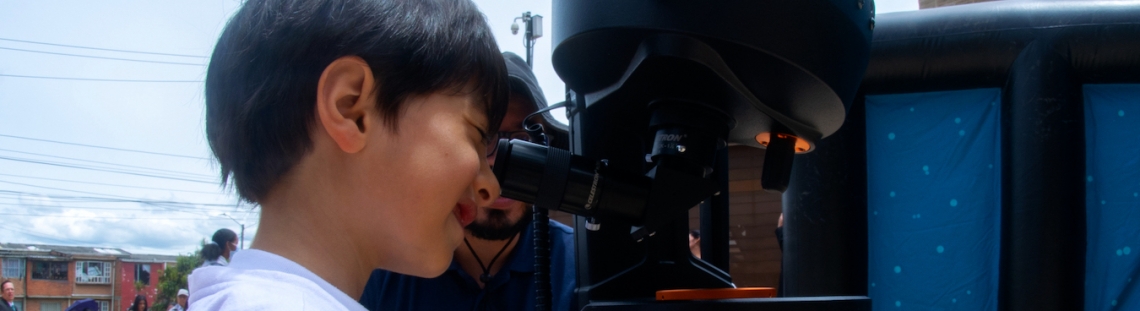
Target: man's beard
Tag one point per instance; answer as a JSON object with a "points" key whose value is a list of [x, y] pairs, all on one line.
{"points": [[498, 226]]}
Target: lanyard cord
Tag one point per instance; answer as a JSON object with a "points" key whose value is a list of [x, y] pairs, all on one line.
{"points": [[486, 276]]}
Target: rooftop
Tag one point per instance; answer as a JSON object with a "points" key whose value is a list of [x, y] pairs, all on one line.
{"points": [[42, 250]]}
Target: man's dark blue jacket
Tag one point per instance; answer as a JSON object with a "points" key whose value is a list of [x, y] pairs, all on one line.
{"points": [[510, 289]]}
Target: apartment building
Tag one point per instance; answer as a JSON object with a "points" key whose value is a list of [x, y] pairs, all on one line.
{"points": [[52, 277]]}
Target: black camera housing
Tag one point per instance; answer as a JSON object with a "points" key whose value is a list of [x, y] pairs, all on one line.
{"points": [[658, 89]]}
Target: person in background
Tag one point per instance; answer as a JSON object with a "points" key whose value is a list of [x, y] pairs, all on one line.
{"points": [[780, 231], [181, 305], [222, 246], [695, 243], [780, 240], [9, 296], [140, 304]]}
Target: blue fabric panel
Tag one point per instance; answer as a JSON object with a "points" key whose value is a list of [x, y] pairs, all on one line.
{"points": [[1112, 142], [934, 200]]}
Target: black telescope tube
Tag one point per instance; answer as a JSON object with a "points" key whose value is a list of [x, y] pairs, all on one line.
{"points": [[588, 187], [519, 171]]}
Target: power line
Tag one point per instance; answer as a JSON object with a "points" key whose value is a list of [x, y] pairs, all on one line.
{"points": [[209, 217], [60, 189], [103, 147], [172, 204], [105, 184], [110, 208], [203, 211], [100, 49], [157, 170], [164, 205], [38, 235], [121, 199], [100, 80], [108, 218], [105, 170], [101, 57]]}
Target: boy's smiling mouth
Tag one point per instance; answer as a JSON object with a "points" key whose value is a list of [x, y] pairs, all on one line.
{"points": [[465, 213]]}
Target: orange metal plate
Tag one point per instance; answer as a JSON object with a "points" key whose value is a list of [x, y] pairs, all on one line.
{"points": [[716, 293]]}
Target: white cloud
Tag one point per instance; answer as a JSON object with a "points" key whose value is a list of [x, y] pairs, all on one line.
{"points": [[134, 227]]}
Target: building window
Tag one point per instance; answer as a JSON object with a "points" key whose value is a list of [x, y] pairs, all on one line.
{"points": [[50, 306], [104, 305], [93, 272], [19, 305], [14, 268], [142, 273], [49, 270]]}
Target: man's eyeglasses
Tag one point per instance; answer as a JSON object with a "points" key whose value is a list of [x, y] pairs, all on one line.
{"points": [[493, 142]]}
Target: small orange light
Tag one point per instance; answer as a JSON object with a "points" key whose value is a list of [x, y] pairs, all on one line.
{"points": [[802, 146]]}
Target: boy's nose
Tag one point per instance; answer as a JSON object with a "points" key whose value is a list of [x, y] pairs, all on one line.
{"points": [[486, 187]]}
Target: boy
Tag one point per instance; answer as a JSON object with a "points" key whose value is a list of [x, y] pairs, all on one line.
{"points": [[494, 269], [359, 127]]}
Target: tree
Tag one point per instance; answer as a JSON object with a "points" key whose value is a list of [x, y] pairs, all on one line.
{"points": [[175, 278]]}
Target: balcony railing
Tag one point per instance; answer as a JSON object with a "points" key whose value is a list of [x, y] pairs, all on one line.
{"points": [[84, 279]]}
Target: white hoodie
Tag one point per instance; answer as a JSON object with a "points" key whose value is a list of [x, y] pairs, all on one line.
{"points": [[259, 280]]}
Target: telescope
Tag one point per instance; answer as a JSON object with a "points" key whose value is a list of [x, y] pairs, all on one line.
{"points": [[657, 90]]}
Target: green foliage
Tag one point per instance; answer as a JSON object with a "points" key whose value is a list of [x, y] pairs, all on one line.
{"points": [[175, 277]]}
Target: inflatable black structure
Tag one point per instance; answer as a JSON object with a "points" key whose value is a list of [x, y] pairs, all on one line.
{"points": [[1036, 56]]}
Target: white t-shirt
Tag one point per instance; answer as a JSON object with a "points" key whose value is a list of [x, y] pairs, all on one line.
{"points": [[221, 261], [259, 280]]}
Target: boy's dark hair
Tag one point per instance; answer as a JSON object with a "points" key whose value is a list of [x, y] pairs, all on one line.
{"points": [[262, 80]]}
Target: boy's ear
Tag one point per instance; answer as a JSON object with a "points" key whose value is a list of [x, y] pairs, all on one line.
{"points": [[345, 102]]}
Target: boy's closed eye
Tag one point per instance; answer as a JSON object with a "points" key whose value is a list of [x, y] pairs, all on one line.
{"points": [[482, 134], [483, 138]]}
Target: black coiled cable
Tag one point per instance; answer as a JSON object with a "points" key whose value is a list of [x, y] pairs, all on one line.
{"points": [[541, 220]]}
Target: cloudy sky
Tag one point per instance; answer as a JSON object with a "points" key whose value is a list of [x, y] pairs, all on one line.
{"points": [[101, 120]]}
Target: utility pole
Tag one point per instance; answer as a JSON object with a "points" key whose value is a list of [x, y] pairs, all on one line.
{"points": [[533, 32], [242, 238]]}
